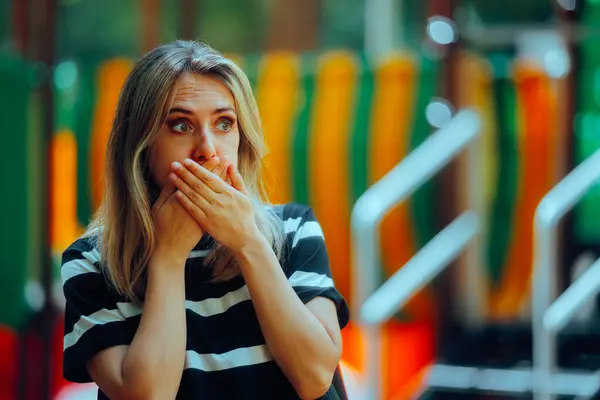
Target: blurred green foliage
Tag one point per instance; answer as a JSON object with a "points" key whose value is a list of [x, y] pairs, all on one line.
{"points": [[91, 29], [98, 30], [95, 30], [232, 25], [512, 11]]}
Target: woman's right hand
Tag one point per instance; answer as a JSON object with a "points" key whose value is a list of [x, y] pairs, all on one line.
{"points": [[177, 232]]}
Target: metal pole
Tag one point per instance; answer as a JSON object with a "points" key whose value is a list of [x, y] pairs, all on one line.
{"points": [[544, 342], [366, 238], [47, 52], [380, 27], [581, 292]]}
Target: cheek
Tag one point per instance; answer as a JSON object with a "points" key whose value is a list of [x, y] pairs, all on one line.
{"points": [[159, 169], [229, 147], [165, 153], [235, 149]]}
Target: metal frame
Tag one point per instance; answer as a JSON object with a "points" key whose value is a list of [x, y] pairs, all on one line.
{"points": [[548, 317], [513, 381], [395, 187], [576, 296], [420, 269]]}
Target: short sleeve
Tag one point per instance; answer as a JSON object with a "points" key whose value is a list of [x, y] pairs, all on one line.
{"points": [[307, 266], [96, 317]]}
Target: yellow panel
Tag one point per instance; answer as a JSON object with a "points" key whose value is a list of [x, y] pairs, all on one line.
{"points": [[475, 92], [111, 77], [277, 96], [329, 170], [64, 227]]}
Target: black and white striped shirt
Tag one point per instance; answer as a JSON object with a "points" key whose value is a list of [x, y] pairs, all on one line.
{"points": [[226, 354]]}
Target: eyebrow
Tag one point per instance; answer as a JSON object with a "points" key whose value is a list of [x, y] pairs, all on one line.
{"points": [[188, 112]]}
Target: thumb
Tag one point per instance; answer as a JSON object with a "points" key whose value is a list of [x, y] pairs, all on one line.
{"points": [[236, 179]]}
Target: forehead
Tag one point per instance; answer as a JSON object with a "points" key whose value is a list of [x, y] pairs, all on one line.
{"points": [[202, 91]]}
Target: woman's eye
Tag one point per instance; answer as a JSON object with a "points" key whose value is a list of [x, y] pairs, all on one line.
{"points": [[181, 127], [224, 125]]}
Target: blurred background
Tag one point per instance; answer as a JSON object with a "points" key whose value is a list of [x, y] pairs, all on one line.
{"points": [[347, 89]]}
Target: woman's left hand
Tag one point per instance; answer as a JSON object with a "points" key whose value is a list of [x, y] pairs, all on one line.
{"points": [[225, 211]]}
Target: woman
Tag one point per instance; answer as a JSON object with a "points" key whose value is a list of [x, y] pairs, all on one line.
{"points": [[188, 284]]}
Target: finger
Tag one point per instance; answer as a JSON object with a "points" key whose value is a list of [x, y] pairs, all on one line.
{"points": [[217, 167], [197, 213], [223, 174], [194, 182], [209, 165], [208, 178], [212, 164], [182, 186], [236, 179], [220, 170]]}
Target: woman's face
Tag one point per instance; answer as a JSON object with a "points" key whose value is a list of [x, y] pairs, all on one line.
{"points": [[201, 124]]}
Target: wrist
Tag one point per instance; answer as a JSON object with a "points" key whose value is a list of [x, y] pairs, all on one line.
{"points": [[166, 260], [165, 280], [255, 244]]}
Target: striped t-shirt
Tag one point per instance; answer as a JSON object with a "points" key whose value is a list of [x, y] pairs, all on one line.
{"points": [[226, 355]]}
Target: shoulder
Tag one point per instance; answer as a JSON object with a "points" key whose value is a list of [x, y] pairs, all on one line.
{"points": [[85, 284], [294, 216], [81, 257], [78, 247], [301, 229], [290, 210]]}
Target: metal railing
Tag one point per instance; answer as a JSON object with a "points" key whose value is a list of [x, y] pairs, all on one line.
{"points": [[372, 306], [549, 317]]}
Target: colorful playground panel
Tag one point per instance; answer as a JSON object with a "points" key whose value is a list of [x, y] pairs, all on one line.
{"points": [[335, 123]]}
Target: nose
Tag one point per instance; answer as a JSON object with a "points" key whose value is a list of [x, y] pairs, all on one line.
{"points": [[205, 148]]}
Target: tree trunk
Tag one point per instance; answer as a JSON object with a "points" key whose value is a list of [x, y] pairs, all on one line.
{"points": [[188, 17], [20, 26], [150, 11], [293, 25]]}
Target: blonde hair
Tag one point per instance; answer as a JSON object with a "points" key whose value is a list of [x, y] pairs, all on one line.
{"points": [[123, 227]]}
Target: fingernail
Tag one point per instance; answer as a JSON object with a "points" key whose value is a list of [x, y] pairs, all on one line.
{"points": [[187, 162], [173, 177], [176, 165]]}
